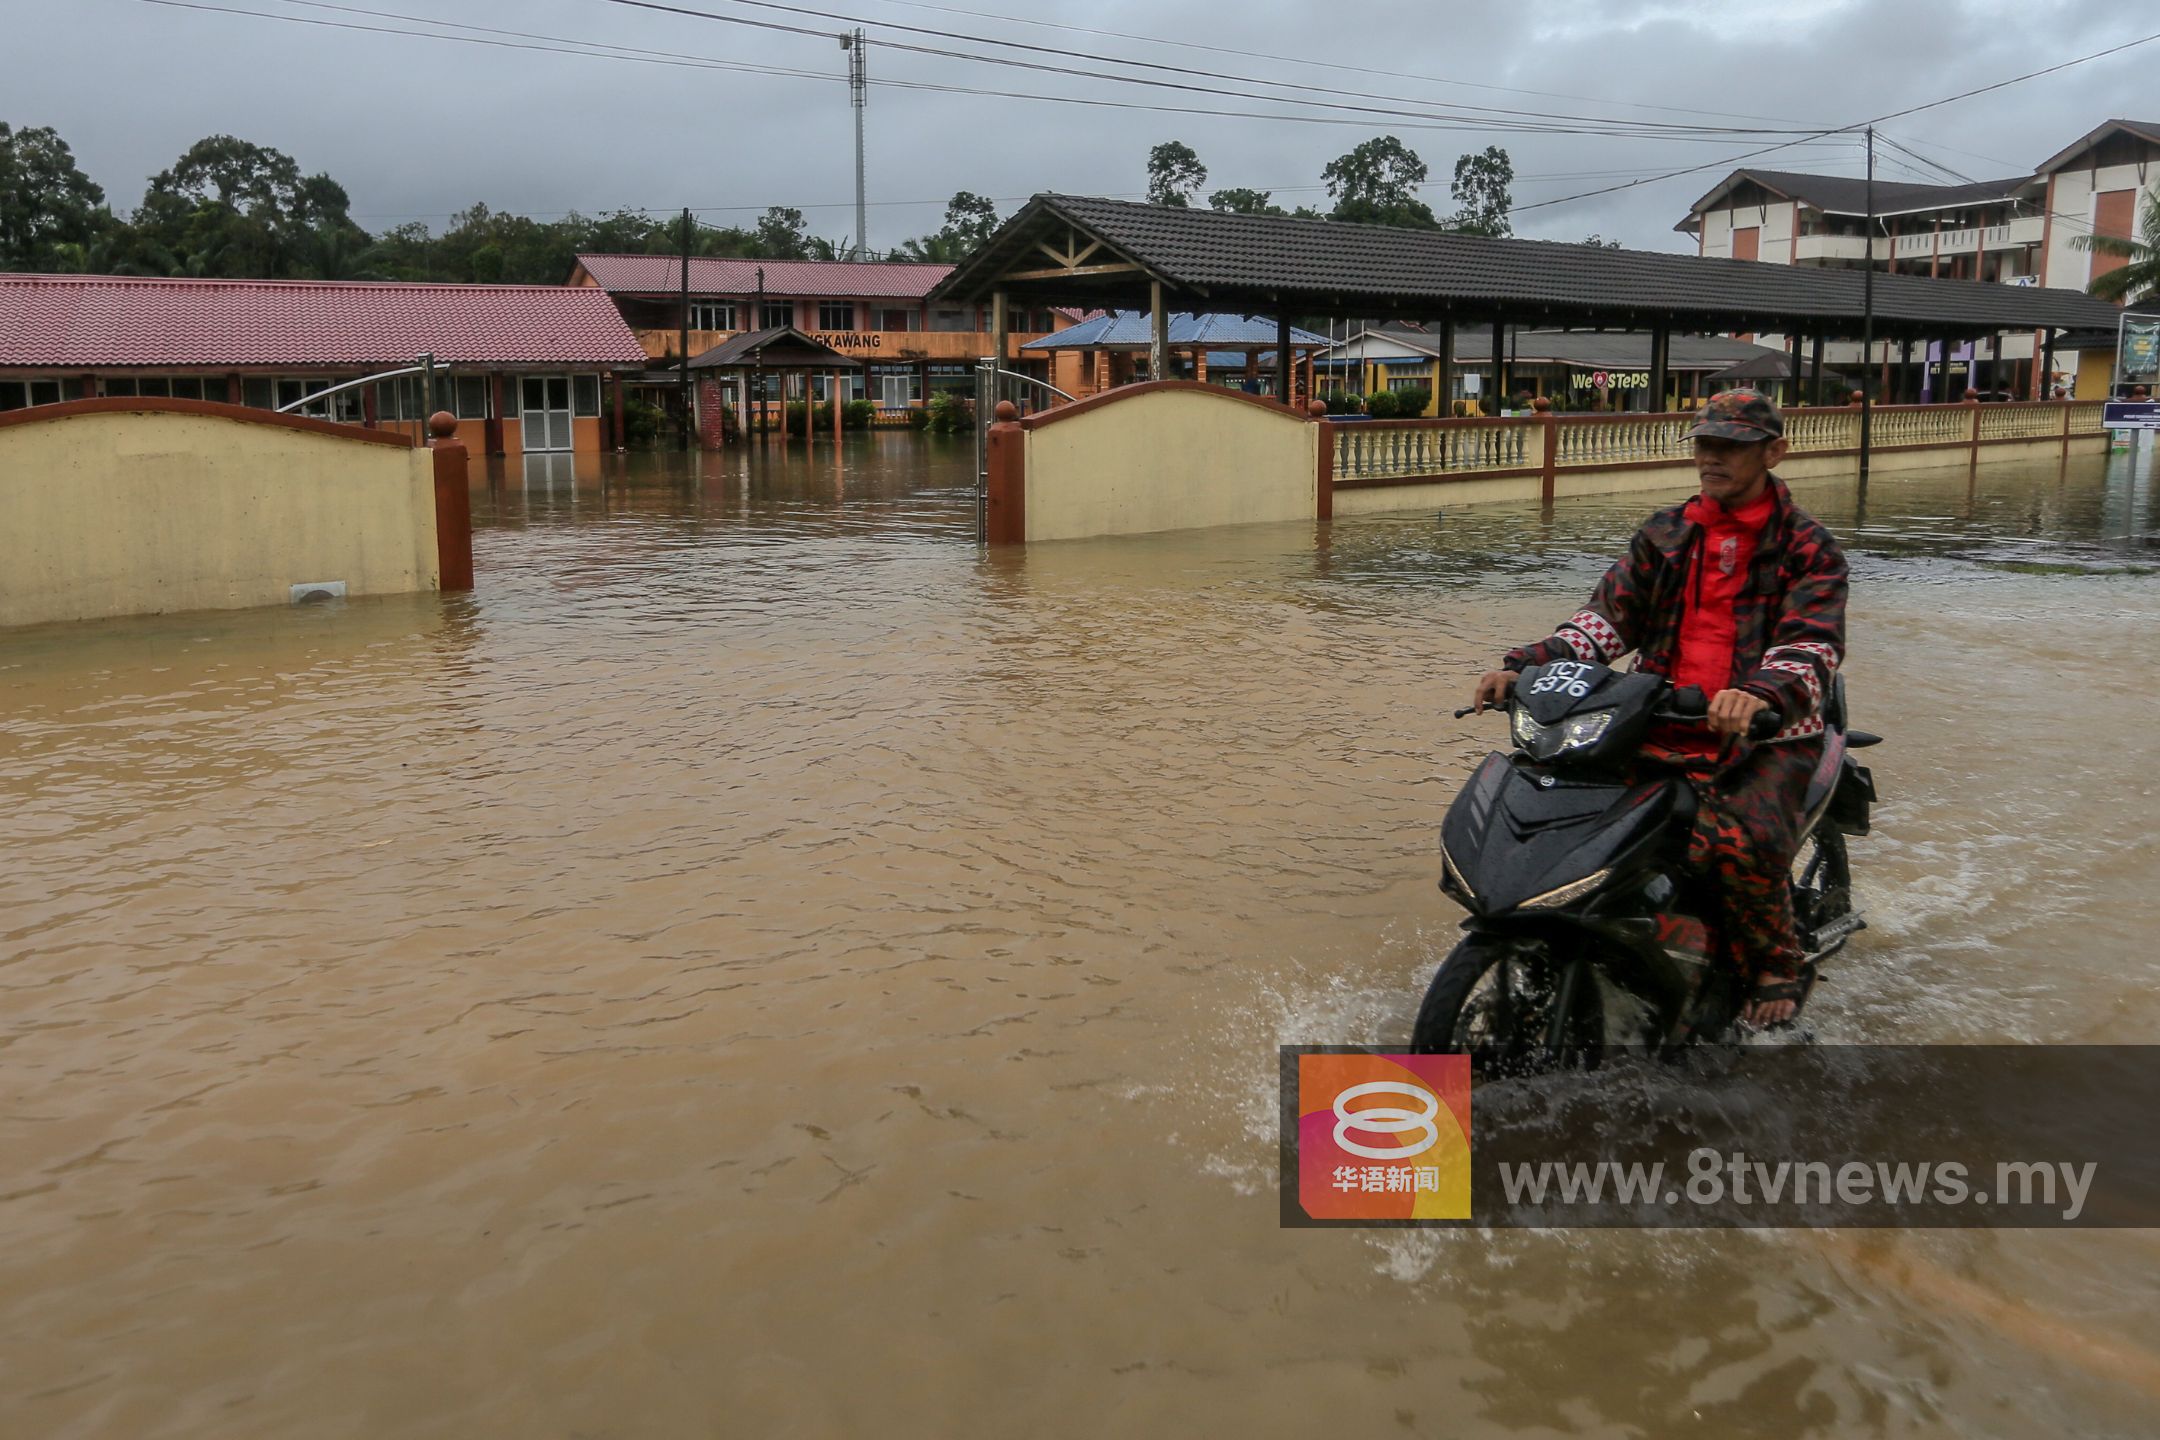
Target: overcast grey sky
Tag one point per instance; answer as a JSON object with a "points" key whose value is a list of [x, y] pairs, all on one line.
{"points": [[418, 128]]}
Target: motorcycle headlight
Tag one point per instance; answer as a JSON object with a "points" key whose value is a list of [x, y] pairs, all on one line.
{"points": [[1527, 730], [1552, 899], [1579, 730]]}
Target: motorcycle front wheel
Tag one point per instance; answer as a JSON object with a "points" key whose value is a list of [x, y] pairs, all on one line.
{"points": [[1515, 1007]]}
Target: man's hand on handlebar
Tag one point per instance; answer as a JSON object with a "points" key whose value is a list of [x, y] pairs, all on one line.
{"points": [[1733, 711], [1493, 688]]}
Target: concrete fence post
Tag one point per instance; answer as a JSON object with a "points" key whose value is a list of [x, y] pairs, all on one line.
{"points": [[1323, 460], [1005, 497], [453, 503], [1549, 473], [1972, 452]]}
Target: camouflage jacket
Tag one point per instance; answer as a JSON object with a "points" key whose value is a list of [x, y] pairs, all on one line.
{"points": [[1789, 619]]}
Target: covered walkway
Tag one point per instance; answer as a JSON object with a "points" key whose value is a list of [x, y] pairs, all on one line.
{"points": [[1062, 250]]}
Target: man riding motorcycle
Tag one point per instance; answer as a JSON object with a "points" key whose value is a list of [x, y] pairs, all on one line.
{"points": [[1742, 593]]}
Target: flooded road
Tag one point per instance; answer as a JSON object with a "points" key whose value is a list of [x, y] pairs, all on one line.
{"points": [[760, 965]]}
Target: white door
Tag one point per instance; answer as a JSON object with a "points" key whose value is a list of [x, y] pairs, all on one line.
{"points": [[545, 412], [894, 391]]}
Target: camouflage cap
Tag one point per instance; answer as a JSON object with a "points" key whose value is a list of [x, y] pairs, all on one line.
{"points": [[1739, 415]]}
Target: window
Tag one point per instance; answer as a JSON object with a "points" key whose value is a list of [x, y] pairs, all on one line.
{"points": [[472, 397], [585, 395], [189, 387], [13, 395], [153, 385], [774, 313], [952, 317], [712, 315], [900, 319], [44, 392], [259, 392], [119, 385], [835, 315]]}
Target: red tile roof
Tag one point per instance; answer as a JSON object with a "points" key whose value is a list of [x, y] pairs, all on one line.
{"points": [[90, 321], [784, 279]]}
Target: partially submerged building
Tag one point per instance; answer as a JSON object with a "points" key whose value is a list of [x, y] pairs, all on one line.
{"points": [[524, 368], [879, 312]]}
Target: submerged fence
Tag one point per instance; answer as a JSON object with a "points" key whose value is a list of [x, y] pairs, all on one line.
{"points": [[1404, 452]]}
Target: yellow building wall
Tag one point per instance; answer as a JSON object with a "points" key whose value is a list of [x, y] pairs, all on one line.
{"points": [[142, 513], [2095, 372], [1176, 458]]}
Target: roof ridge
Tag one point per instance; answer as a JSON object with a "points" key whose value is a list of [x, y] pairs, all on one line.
{"points": [[252, 281]]}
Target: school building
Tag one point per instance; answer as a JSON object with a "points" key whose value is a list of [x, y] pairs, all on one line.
{"points": [[524, 368], [2017, 230], [877, 312]]}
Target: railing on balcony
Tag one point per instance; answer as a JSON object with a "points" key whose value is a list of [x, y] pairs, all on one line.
{"points": [[1397, 452]]}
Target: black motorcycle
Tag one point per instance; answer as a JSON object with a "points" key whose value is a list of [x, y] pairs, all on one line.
{"points": [[1587, 931]]}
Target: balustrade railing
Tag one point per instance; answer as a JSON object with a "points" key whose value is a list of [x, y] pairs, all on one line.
{"points": [[1594, 440], [1391, 449], [1378, 452]]}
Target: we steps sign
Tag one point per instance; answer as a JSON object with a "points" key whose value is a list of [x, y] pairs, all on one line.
{"points": [[2130, 415]]}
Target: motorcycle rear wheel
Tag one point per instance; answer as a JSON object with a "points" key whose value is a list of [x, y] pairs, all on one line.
{"points": [[1514, 1007]]}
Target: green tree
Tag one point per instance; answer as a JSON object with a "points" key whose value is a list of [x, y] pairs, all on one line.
{"points": [[781, 236], [1480, 189], [2139, 274], [1174, 174], [1245, 202], [1376, 184], [970, 219], [231, 207], [45, 201], [1598, 242]]}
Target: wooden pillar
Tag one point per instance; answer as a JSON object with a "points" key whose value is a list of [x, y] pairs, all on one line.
{"points": [[622, 437], [2047, 368], [1158, 333], [838, 406], [368, 413], [1815, 368], [1283, 361], [1199, 364], [1660, 365], [1444, 372], [1000, 325], [1499, 367]]}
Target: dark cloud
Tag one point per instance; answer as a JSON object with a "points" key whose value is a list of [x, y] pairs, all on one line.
{"points": [[419, 128]]}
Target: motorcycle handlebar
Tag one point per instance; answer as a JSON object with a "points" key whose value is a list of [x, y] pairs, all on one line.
{"points": [[1765, 724]]}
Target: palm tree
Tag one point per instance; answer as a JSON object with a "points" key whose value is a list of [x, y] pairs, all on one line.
{"points": [[2139, 274]]}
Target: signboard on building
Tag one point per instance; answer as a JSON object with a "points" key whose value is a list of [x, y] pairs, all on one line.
{"points": [[850, 339], [2130, 415], [1612, 379]]}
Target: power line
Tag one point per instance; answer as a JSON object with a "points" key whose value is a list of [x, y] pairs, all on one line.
{"points": [[1546, 122], [1856, 125], [597, 50], [1308, 62]]}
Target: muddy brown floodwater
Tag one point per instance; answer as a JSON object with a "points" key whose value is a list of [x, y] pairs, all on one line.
{"points": [[761, 966]]}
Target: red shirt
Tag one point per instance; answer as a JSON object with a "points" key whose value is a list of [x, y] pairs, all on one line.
{"points": [[1708, 627]]}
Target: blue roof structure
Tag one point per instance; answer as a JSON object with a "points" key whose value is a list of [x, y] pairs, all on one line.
{"points": [[1128, 330]]}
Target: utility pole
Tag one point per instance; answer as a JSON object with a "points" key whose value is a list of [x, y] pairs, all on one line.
{"points": [[760, 363], [859, 97], [1867, 314], [682, 421]]}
